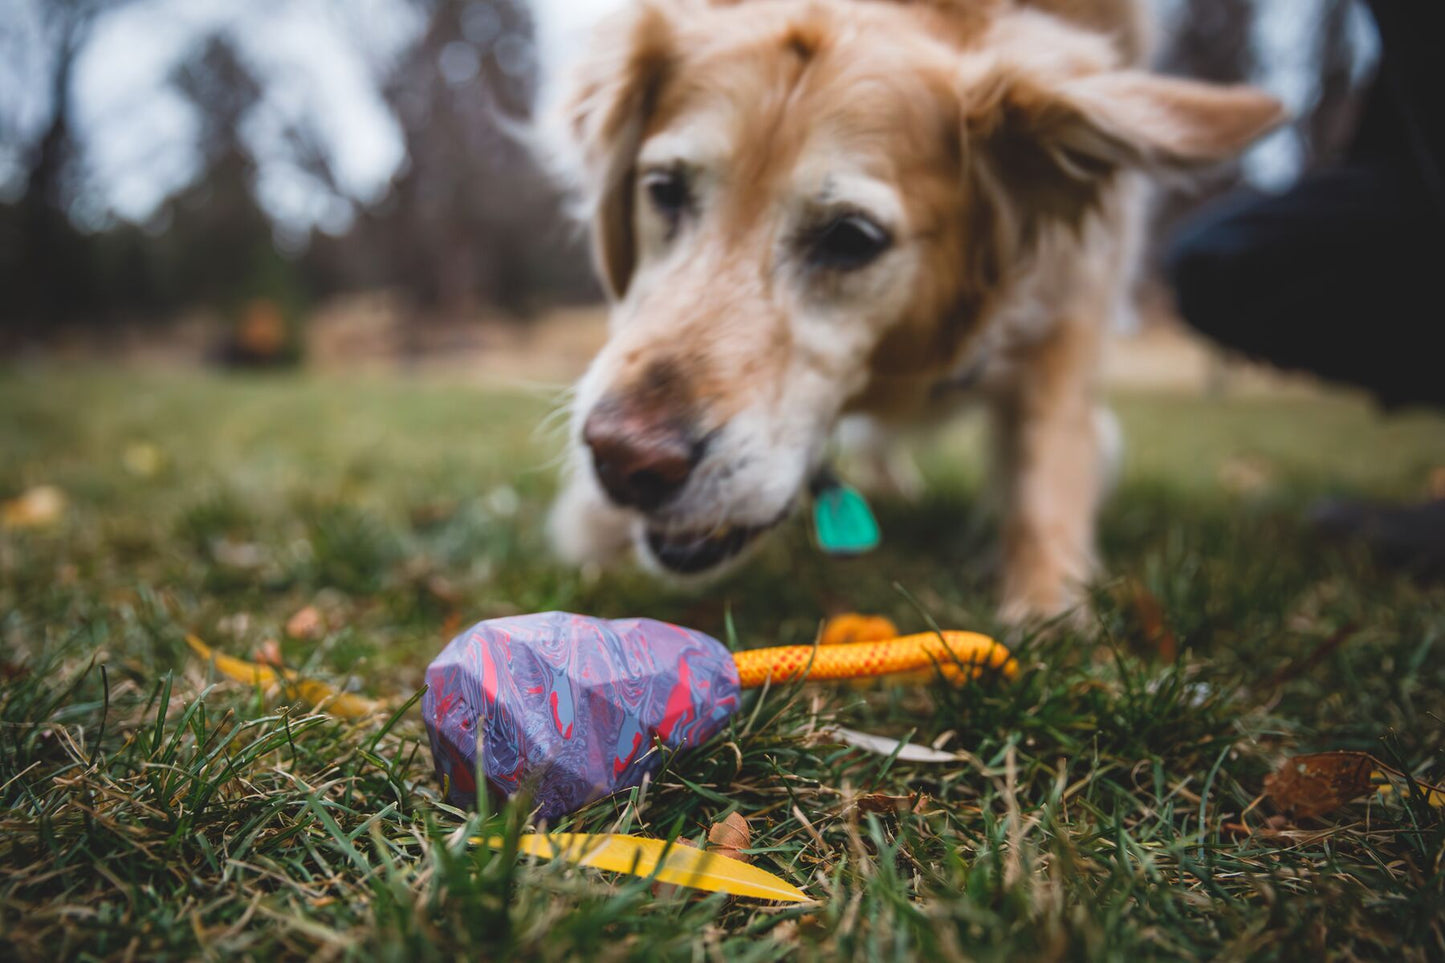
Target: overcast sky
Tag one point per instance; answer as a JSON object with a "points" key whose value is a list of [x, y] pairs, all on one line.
{"points": [[318, 60]]}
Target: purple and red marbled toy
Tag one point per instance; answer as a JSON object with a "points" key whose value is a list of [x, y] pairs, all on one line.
{"points": [[570, 707]]}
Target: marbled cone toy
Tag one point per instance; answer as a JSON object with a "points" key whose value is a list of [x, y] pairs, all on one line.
{"points": [[570, 707]]}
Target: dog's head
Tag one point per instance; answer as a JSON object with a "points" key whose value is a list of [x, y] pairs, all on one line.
{"points": [[792, 199]]}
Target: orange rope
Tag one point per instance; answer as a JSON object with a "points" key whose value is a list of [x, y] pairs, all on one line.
{"points": [[958, 655]]}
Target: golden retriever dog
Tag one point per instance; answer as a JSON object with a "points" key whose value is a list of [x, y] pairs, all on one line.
{"points": [[806, 210]]}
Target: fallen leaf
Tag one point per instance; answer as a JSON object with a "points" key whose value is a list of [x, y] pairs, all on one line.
{"points": [[442, 589], [730, 837], [306, 624], [1314, 785], [884, 746], [1245, 475], [38, 507], [668, 890], [879, 802], [319, 694], [637, 856], [852, 627], [142, 459], [1148, 611], [240, 670], [1434, 795], [239, 555], [269, 653], [432, 514], [1308, 786]]}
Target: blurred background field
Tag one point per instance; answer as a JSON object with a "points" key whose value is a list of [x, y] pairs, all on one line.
{"points": [[411, 506], [285, 316]]}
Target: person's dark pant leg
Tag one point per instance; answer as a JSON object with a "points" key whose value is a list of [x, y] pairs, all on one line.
{"points": [[1342, 276]]}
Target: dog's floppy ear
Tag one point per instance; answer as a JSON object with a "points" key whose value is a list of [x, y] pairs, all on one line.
{"points": [[1051, 143], [603, 112]]}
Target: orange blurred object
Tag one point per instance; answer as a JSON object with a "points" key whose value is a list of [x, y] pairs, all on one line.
{"points": [[852, 627]]}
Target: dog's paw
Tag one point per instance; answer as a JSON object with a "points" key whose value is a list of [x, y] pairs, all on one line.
{"points": [[1046, 604], [877, 461], [1074, 617], [892, 475], [1111, 450], [584, 529]]}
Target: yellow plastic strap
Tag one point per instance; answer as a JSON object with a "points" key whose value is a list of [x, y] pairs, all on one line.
{"points": [[958, 655]]}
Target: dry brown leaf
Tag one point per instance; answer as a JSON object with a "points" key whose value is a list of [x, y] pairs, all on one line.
{"points": [[878, 802], [1437, 482], [143, 459], [1245, 475], [307, 623], [38, 507], [432, 514], [731, 836], [1317, 784], [442, 589], [1148, 611], [268, 653]]}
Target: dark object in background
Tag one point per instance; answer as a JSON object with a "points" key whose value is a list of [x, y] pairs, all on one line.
{"points": [[260, 338], [1341, 276], [1405, 536]]}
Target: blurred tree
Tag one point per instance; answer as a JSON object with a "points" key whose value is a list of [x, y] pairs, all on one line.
{"points": [[215, 230], [470, 220], [44, 253], [218, 247]]}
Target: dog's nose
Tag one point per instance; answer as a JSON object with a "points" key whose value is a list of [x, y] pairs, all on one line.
{"points": [[641, 461]]}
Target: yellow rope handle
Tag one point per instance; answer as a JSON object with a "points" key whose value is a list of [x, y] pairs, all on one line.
{"points": [[959, 655]]}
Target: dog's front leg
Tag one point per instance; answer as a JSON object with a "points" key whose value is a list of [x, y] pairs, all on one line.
{"points": [[1051, 473]]}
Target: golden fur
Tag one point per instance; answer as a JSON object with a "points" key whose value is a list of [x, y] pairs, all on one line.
{"points": [[1001, 142]]}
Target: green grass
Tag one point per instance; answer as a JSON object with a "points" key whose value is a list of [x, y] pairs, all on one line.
{"points": [[148, 809]]}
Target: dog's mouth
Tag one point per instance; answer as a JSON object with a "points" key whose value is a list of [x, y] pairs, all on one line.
{"points": [[692, 552]]}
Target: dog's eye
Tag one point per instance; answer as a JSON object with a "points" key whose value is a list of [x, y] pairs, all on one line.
{"points": [[848, 243], [668, 191]]}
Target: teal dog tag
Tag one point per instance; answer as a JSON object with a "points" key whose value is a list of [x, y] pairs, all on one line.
{"points": [[842, 520]]}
